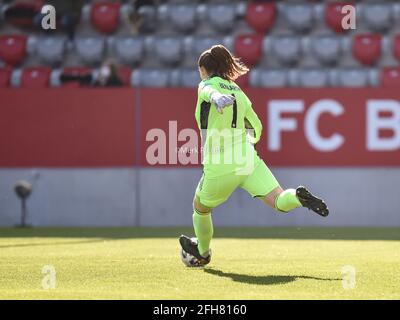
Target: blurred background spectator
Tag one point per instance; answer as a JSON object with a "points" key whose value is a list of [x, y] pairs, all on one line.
{"points": [[106, 76]]}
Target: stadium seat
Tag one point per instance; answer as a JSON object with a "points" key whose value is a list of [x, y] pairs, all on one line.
{"points": [[352, 78], [104, 16], [334, 15], [390, 77], [327, 49], [313, 78], [261, 16], [168, 50], [377, 15], [182, 16], [367, 48], [249, 48], [396, 47], [374, 79], [50, 50], [203, 43], [191, 78], [13, 48], [269, 78], [222, 16], [287, 49], [35, 77], [299, 16], [185, 78], [90, 49], [5, 75], [129, 50], [154, 78]]}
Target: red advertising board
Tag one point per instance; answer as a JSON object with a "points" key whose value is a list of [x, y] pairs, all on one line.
{"points": [[156, 127], [67, 128], [302, 127]]}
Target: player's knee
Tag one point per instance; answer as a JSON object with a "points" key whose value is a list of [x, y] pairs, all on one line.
{"points": [[271, 198], [199, 207]]}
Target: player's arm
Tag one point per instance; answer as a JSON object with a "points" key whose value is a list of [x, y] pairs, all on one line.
{"points": [[255, 122], [209, 94]]}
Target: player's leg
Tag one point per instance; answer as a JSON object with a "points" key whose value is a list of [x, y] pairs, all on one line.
{"points": [[289, 199], [282, 200], [203, 226], [210, 193], [204, 230], [262, 184]]}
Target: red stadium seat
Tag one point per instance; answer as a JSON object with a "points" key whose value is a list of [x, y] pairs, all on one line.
{"points": [[35, 77], [5, 75], [396, 47], [390, 77], [12, 48], [105, 16], [367, 48], [261, 16], [249, 48], [124, 74], [334, 15], [243, 81]]}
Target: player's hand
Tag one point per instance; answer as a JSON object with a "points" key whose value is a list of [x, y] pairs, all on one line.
{"points": [[253, 140], [221, 101]]}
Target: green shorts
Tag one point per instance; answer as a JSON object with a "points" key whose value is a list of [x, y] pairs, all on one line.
{"points": [[211, 192]]}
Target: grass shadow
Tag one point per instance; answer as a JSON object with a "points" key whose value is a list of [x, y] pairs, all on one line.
{"points": [[263, 280]]}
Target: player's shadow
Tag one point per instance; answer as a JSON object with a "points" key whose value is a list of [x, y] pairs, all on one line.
{"points": [[263, 280]]}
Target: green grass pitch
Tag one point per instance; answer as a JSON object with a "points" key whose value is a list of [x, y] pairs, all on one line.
{"points": [[248, 263]]}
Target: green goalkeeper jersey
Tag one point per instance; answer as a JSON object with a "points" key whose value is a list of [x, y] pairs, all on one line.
{"points": [[227, 138]]}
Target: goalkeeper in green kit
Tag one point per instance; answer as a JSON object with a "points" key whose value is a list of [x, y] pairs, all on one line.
{"points": [[230, 128]]}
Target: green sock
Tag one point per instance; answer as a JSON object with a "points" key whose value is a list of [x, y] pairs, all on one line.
{"points": [[287, 201], [203, 228]]}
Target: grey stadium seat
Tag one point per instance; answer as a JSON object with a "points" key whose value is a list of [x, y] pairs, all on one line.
{"points": [[169, 50], [182, 16], [287, 49], [129, 50], [55, 78], [222, 16], [269, 78], [187, 78], [154, 78], [203, 43], [15, 79], [377, 15], [299, 16], [50, 50], [313, 78], [90, 49], [352, 77], [326, 49]]}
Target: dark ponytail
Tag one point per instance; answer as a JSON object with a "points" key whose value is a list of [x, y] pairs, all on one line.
{"points": [[219, 61]]}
